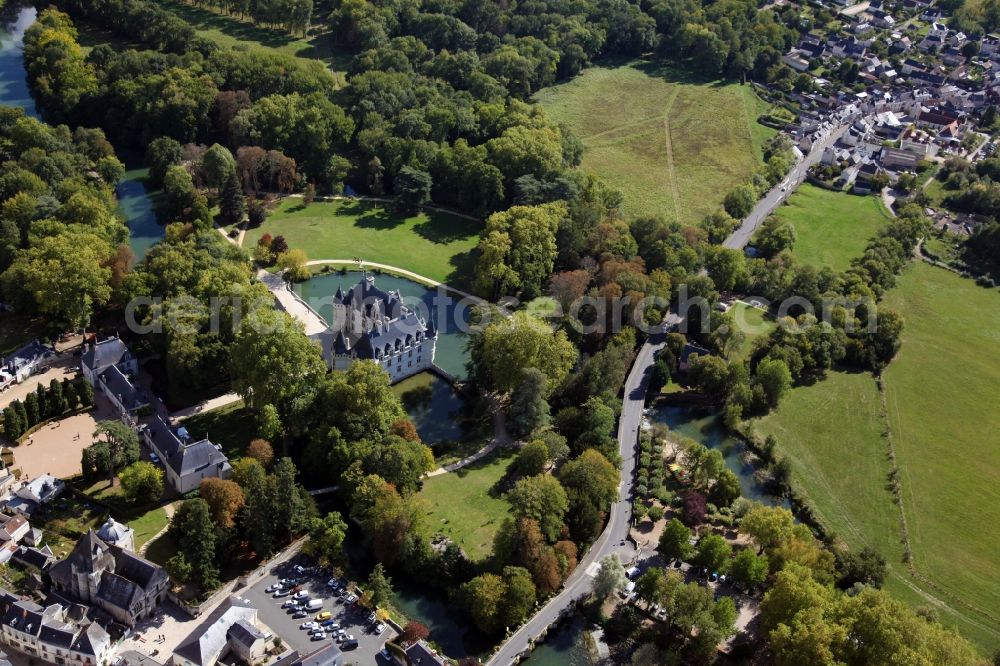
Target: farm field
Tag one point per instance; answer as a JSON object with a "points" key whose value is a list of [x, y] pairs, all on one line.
{"points": [[460, 504], [675, 145], [941, 412], [832, 227], [433, 244], [942, 408]]}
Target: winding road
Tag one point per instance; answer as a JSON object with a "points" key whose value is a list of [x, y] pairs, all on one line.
{"points": [[613, 539]]}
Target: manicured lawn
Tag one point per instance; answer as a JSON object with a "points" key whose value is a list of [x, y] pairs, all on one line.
{"points": [[945, 419], [754, 323], [148, 525], [232, 426], [832, 227], [436, 245], [675, 145], [461, 506]]}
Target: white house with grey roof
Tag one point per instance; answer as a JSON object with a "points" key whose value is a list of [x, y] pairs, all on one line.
{"points": [[186, 461], [375, 325], [231, 628], [111, 367], [24, 362], [51, 634]]}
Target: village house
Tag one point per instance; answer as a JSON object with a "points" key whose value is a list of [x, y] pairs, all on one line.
{"points": [[50, 633], [126, 586], [376, 325], [186, 462], [31, 495], [229, 629], [24, 362]]}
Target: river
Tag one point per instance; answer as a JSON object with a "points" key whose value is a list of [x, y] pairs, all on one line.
{"points": [[135, 202]]}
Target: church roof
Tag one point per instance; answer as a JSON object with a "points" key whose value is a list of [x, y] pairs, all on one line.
{"points": [[112, 531]]}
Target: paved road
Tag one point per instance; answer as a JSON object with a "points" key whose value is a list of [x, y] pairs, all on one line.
{"points": [[741, 237], [612, 540]]}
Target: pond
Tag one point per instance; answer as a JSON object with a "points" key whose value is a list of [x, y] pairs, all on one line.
{"points": [[446, 313], [565, 646], [436, 409], [450, 626], [135, 203], [705, 426]]}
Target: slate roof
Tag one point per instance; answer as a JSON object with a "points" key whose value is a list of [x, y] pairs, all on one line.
{"points": [[328, 655], [208, 640], [137, 569], [60, 635], [130, 396], [183, 457], [27, 354], [34, 557], [112, 531], [118, 591], [421, 654], [105, 353], [245, 633], [375, 322], [91, 640]]}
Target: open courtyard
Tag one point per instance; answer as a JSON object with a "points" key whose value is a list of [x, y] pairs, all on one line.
{"points": [[56, 448]]}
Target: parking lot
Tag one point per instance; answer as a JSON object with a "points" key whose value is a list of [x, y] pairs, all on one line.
{"points": [[352, 618]]}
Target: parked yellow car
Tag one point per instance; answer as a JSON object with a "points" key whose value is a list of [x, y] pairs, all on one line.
{"points": [[325, 615]]}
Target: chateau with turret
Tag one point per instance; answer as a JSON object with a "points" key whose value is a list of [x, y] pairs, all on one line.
{"points": [[372, 324]]}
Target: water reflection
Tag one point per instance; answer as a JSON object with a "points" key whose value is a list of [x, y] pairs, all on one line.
{"points": [[450, 352], [705, 426], [13, 77]]}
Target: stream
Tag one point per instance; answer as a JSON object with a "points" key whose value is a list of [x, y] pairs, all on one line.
{"points": [[135, 202]]}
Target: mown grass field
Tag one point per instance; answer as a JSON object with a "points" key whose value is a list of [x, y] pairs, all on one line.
{"points": [[460, 504], [675, 145], [754, 323], [831, 432], [433, 244], [944, 411], [941, 411], [832, 228]]}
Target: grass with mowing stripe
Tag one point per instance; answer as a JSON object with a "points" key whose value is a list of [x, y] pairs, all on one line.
{"points": [[433, 244], [675, 145]]}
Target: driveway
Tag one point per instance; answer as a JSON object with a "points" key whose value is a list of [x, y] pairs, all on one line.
{"points": [[353, 619], [66, 367]]}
